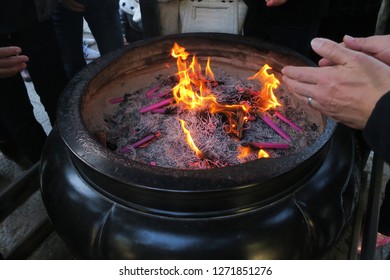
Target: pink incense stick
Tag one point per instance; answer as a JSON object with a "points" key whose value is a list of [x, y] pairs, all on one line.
{"points": [[156, 105], [117, 100], [276, 128], [289, 122], [269, 145], [139, 143], [150, 93]]}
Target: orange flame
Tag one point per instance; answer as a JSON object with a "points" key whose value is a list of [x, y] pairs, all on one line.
{"points": [[243, 152], [266, 99], [189, 139], [262, 154], [193, 92]]}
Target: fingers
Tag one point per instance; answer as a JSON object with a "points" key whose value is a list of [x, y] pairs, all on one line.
{"points": [[11, 62], [9, 51], [300, 89], [309, 75], [331, 51], [274, 3], [307, 82], [367, 45], [11, 71], [376, 46]]}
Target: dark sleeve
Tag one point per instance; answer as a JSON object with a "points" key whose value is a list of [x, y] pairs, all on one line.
{"points": [[377, 130], [293, 11]]}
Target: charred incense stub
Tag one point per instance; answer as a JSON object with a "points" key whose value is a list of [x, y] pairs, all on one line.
{"points": [[207, 118]]}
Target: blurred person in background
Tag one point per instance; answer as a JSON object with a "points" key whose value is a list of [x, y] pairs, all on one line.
{"points": [[27, 41], [104, 21], [289, 23]]}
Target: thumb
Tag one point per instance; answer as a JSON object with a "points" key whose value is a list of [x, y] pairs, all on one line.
{"points": [[331, 51]]}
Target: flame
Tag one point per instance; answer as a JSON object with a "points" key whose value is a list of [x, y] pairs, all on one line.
{"points": [[266, 98], [193, 92], [262, 154], [243, 152], [189, 140], [209, 72]]}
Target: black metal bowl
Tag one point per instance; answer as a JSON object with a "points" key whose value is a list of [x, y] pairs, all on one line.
{"points": [[108, 206]]}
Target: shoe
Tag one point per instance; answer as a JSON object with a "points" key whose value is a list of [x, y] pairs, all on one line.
{"points": [[25, 75], [382, 240], [89, 53]]}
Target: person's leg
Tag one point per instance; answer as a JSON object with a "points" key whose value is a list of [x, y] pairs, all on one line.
{"points": [[9, 148], [69, 29], [45, 66], [104, 21]]}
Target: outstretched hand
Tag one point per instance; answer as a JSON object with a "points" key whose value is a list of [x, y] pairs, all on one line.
{"points": [[11, 62], [346, 91]]}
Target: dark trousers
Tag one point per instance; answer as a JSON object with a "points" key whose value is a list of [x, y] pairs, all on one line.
{"points": [[104, 21], [20, 132]]}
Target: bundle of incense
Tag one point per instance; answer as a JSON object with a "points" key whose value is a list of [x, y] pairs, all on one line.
{"points": [[287, 121], [274, 126]]}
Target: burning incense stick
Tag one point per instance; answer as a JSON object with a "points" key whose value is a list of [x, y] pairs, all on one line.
{"points": [[289, 122], [156, 105], [269, 145], [274, 126]]}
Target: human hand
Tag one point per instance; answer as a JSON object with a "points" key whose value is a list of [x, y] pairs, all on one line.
{"points": [[11, 62], [376, 46], [274, 3], [73, 5], [346, 91]]}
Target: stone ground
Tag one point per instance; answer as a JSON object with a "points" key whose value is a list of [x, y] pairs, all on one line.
{"points": [[32, 212]]}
